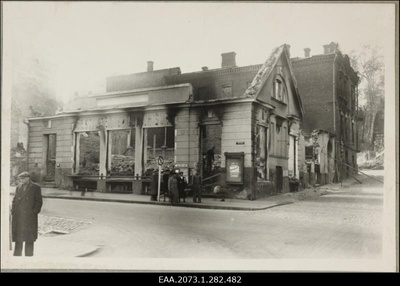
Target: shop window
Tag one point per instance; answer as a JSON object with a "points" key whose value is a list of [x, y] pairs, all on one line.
{"points": [[159, 141], [162, 137], [122, 145], [280, 91], [88, 153]]}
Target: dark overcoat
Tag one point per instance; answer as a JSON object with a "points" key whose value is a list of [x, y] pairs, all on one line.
{"points": [[154, 184], [173, 188], [26, 206]]}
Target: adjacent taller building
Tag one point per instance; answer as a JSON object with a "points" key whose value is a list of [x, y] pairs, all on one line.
{"points": [[328, 86]]}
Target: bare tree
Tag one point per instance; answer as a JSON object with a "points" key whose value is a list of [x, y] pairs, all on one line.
{"points": [[370, 66]]}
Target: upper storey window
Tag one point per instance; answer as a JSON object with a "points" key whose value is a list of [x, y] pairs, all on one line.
{"points": [[280, 91]]}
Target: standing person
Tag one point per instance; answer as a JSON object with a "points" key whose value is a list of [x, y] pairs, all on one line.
{"points": [[164, 183], [154, 186], [182, 184], [26, 206], [173, 187], [197, 187], [210, 159]]}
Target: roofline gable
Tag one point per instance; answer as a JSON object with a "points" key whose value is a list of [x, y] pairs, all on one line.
{"points": [[265, 71]]}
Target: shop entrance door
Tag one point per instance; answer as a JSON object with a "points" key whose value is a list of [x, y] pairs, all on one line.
{"points": [[210, 149], [279, 179], [50, 158]]}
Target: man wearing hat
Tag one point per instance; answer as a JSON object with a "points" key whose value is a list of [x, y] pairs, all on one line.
{"points": [[26, 206], [173, 187]]}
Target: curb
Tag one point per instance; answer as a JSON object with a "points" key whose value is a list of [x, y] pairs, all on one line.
{"points": [[187, 205]]}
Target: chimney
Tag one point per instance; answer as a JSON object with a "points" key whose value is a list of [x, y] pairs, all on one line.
{"points": [[307, 52], [331, 48], [150, 66], [204, 68], [326, 49], [228, 60], [288, 49]]}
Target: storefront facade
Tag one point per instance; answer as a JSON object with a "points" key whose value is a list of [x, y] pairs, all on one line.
{"points": [[240, 128]]}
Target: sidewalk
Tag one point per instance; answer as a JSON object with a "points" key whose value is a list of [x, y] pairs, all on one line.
{"points": [[206, 203]]}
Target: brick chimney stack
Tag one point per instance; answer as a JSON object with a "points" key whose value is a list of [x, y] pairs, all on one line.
{"points": [[228, 60], [331, 48], [150, 66], [307, 52]]}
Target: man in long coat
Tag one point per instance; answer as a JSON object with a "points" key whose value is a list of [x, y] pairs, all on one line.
{"points": [[182, 185], [173, 187], [154, 186], [197, 187], [26, 206]]}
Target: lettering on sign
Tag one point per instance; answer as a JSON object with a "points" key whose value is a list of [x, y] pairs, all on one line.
{"points": [[240, 143], [113, 121]]}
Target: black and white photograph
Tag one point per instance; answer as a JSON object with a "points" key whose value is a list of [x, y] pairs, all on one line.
{"points": [[188, 137]]}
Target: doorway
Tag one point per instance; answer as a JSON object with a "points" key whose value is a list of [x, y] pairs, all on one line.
{"points": [[279, 179], [50, 139]]}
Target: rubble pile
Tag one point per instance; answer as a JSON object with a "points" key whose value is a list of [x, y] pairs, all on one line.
{"points": [[375, 163], [57, 225], [122, 165]]}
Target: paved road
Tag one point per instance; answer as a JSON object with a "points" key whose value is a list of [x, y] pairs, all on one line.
{"points": [[344, 223]]}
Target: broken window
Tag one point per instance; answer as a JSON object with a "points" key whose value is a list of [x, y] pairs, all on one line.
{"points": [[280, 92], [309, 152], [88, 153], [159, 141], [122, 152]]}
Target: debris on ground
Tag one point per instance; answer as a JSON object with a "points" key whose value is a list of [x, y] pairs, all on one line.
{"points": [[51, 225]]}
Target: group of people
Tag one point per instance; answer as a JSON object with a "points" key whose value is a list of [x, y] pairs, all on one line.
{"points": [[174, 185]]}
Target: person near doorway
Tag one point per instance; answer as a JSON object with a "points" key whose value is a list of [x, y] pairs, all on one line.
{"points": [[26, 206], [210, 159], [182, 185], [173, 187], [197, 187], [154, 186]]}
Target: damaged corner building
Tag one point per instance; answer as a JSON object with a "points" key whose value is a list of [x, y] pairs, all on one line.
{"points": [[238, 126]]}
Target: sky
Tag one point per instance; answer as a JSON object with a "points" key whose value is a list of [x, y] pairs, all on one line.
{"points": [[89, 41]]}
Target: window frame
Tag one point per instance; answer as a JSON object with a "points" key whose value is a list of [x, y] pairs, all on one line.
{"points": [[283, 91]]}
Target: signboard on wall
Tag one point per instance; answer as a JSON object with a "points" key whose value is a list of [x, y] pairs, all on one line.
{"points": [[109, 121], [234, 167]]}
